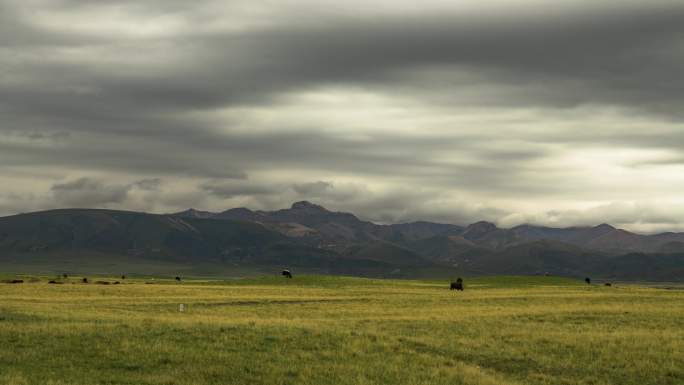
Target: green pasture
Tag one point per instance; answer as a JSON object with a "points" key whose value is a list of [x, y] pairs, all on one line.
{"points": [[339, 330]]}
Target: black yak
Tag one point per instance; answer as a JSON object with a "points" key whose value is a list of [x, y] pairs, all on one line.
{"points": [[84, 280], [178, 279], [608, 284], [286, 273], [17, 281], [587, 280], [458, 285]]}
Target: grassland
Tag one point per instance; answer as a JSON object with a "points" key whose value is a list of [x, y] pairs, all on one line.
{"points": [[327, 330]]}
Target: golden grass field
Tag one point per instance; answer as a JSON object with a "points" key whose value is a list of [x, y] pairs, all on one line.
{"points": [[336, 330]]}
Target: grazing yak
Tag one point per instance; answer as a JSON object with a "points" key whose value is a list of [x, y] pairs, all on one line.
{"points": [[286, 273], [587, 280], [178, 278], [608, 284], [458, 285], [84, 280], [16, 281]]}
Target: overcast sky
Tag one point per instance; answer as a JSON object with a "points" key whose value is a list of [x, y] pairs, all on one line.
{"points": [[563, 112]]}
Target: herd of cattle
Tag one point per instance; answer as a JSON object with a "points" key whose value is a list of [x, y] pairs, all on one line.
{"points": [[60, 280], [455, 285]]}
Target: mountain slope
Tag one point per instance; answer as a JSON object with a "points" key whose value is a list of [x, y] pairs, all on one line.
{"points": [[180, 239], [310, 236], [538, 257], [136, 234]]}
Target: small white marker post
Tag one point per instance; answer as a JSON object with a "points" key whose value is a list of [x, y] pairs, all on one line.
{"points": [[181, 307]]}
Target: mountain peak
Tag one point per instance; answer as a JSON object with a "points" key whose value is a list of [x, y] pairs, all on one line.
{"points": [[604, 227], [240, 213], [308, 206], [482, 225], [192, 213], [243, 210], [478, 229]]}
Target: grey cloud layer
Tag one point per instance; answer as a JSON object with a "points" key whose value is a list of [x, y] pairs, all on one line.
{"points": [[203, 98], [626, 56]]}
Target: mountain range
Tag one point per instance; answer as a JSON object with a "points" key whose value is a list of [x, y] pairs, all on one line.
{"points": [[308, 236]]}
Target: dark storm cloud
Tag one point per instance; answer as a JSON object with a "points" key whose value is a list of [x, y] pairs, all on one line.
{"points": [[611, 56], [201, 91], [206, 154], [624, 55]]}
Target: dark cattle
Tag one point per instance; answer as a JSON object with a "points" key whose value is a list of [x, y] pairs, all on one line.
{"points": [[123, 277], [116, 282], [178, 279], [587, 280], [608, 284], [458, 285], [84, 280], [17, 281], [56, 282], [102, 282], [286, 273]]}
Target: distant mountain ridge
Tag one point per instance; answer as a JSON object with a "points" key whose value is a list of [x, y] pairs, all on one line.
{"points": [[313, 219], [331, 225], [307, 235]]}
